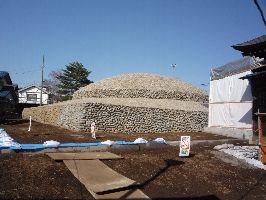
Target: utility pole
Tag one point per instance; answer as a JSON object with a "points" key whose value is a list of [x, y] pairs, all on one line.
{"points": [[42, 80]]}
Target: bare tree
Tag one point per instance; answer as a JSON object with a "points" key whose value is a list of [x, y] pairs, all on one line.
{"points": [[52, 85]]}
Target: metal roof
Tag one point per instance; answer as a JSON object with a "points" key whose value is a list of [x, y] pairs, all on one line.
{"points": [[244, 64]]}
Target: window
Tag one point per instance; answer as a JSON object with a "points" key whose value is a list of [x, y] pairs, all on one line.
{"points": [[32, 97]]}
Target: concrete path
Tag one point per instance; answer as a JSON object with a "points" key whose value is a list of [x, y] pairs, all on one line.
{"points": [[83, 156], [99, 178]]}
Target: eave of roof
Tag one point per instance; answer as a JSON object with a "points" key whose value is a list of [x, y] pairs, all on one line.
{"points": [[32, 86], [250, 76], [256, 43]]}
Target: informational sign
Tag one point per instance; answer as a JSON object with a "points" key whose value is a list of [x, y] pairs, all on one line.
{"points": [[184, 146]]}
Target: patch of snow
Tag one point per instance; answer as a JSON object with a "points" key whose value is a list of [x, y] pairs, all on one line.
{"points": [[108, 142], [140, 141], [51, 143], [247, 153], [6, 140], [160, 140]]}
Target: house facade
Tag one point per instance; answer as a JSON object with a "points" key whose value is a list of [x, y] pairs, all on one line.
{"points": [[32, 95]]}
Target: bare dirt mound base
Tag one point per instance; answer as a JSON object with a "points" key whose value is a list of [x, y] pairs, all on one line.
{"points": [[160, 174]]}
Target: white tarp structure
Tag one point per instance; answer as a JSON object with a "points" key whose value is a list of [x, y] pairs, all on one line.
{"points": [[6, 140], [230, 100]]}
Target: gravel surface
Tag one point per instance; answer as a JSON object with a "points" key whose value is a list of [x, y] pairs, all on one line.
{"points": [[142, 81], [249, 154]]}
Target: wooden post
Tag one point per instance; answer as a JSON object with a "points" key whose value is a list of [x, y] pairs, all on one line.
{"points": [[260, 128], [262, 147]]}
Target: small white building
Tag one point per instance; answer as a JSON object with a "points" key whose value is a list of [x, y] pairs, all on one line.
{"points": [[32, 95], [231, 100]]}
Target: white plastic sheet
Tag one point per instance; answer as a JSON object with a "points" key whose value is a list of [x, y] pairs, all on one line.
{"points": [[231, 102], [233, 115], [6, 140], [231, 89]]}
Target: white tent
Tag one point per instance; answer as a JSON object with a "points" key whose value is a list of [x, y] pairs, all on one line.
{"points": [[230, 100]]}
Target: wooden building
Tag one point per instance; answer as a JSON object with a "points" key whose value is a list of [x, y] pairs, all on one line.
{"points": [[233, 103], [31, 95], [256, 47]]}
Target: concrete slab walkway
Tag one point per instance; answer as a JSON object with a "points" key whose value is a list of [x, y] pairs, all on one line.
{"points": [[99, 178], [84, 156]]}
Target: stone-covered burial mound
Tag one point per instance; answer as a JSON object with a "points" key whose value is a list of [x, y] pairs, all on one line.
{"points": [[142, 103]]}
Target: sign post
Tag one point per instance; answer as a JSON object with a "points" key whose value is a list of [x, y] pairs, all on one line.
{"points": [[184, 146], [29, 125], [93, 130], [262, 146]]}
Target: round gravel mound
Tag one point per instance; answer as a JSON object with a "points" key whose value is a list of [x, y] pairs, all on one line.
{"points": [[137, 103], [139, 85]]}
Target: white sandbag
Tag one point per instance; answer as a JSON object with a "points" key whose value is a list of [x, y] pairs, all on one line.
{"points": [[140, 141], [108, 142], [6, 140], [160, 140], [51, 143]]}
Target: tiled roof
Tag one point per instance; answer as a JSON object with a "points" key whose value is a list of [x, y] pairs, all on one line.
{"points": [[4, 74], [254, 43]]}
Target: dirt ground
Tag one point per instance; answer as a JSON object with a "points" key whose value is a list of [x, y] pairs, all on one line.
{"points": [[42, 132], [160, 172]]}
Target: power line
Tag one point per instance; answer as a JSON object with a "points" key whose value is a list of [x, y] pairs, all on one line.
{"points": [[24, 72], [260, 11]]}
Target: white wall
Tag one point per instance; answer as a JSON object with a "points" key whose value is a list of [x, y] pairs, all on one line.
{"points": [[33, 90], [230, 102]]}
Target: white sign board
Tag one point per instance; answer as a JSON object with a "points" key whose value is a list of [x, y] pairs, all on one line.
{"points": [[184, 146]]}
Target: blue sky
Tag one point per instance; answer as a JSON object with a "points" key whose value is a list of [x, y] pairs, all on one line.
{"points": [[111, 37]]}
